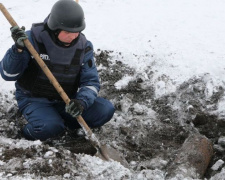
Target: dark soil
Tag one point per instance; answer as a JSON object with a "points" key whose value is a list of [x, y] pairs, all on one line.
{"points": [[137, 141]]}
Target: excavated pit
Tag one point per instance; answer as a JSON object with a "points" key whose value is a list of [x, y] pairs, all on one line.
{"points": [[145, 129]]}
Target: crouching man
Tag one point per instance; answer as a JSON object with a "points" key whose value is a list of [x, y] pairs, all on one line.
{"points": [[69, 56]]}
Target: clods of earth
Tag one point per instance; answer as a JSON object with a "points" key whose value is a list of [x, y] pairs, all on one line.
{"points": [[147, 130]]}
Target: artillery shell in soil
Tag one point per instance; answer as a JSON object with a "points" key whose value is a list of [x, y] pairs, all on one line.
{"points": [[192, 158]]}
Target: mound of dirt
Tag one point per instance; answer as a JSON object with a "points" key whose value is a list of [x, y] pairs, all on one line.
{"points": [[147, 130]]}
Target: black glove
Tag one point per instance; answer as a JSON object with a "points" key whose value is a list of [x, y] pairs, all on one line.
{"points": [[74, 108], [18, 34]]}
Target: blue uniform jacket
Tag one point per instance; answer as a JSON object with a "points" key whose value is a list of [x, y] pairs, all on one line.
{"points": [[14, 63]]}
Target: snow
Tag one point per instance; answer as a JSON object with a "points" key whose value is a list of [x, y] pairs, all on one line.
{"points": [[219, 176], [217, 165], [183, 37], [123, 82], [175, 39], [104, 170], [221, 141], [21, 143]]}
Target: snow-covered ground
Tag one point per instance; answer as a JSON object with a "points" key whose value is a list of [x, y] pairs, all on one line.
{"points": [[168, 42], [183, 37]]}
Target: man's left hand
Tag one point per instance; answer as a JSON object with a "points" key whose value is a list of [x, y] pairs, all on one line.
{"points": [[74, 108]]}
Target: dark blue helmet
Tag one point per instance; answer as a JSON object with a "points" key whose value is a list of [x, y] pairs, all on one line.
{"points": [[66, 15]]}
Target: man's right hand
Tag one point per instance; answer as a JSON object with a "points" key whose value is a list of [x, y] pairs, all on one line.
{"points": [[18, 34]]}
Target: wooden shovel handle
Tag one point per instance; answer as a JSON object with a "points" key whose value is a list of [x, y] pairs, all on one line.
{"points": [[45, 68]]}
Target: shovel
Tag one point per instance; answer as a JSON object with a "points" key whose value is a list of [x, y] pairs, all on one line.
{"points": [[103, 151]]}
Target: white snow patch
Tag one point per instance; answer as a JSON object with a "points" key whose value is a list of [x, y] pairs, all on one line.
{"points": [[123, 82], [104, 170], [217, 165]]}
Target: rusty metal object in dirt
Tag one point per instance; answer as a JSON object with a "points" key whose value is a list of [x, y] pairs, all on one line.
{"points": [[192, 158], [103, 152]]}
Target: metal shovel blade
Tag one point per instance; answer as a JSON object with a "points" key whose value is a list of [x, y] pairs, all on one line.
{"points": [[107, 153]]}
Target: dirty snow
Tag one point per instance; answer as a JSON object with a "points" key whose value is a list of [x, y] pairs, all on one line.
{"points": [[171, 51]]}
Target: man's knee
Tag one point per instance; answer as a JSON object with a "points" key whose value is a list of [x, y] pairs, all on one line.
{"points": [[42, 131], [105, 113], [110, 111]]}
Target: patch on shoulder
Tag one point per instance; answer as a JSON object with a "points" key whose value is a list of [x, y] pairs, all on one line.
{"points": [[90, 63], [87, 49]]}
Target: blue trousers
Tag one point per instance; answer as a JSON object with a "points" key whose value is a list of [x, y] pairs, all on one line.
{"points": [[47, 119]]}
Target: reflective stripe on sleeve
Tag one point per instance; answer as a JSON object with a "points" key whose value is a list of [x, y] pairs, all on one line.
{"points": [[10, 75], [93, 89], [90, 87]]}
